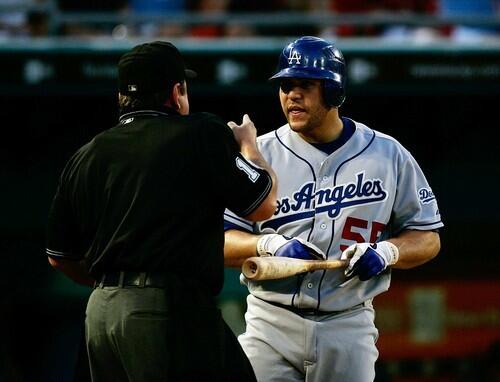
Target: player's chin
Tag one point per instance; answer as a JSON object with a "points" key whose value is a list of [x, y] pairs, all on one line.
{"points": [[296, 123], [297, 126]]}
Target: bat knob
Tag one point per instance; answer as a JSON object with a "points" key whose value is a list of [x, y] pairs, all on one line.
{"points": [[249, 269]]}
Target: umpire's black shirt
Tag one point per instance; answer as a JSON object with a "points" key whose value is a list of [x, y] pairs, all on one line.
{"points": [[149, 195]]}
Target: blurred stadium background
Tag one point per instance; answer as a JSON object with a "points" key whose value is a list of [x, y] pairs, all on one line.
{"points": [[425, 71]]}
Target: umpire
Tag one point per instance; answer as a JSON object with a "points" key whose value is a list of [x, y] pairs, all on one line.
{"points": [[138, 214]]}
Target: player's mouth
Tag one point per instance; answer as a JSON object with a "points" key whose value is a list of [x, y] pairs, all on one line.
{"points": [[296, 111]]}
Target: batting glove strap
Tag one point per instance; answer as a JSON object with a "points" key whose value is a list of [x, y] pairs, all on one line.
{"points": [[388, 251], [266, 243], [279, 245]]}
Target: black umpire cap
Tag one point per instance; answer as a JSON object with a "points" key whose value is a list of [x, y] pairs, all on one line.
{"points": [[151, 67]]}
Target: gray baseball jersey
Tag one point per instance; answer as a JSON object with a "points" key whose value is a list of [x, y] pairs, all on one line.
{"points": [[369, 189]]}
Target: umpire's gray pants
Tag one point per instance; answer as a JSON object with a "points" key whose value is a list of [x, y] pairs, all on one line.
{"points": [[126, 334]]}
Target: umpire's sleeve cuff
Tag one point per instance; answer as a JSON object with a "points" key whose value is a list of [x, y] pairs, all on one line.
{"points": [[233, 222], [58, 255], [229, 226], [263, 195]]}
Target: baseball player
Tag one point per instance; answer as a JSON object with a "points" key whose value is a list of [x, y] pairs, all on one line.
{"points": [[346, 191]]}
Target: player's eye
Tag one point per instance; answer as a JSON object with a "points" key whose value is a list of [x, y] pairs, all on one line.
{"points": [[288, 85], [305, 84]]}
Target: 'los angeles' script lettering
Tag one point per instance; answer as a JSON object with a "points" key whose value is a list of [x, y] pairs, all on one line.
{"points": [[334, 199]]}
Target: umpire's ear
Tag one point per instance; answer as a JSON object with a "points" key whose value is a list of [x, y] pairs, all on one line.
{"points": [[179, 98]]}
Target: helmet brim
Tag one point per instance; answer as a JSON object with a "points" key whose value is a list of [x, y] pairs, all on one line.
{"points": [[311, 73]]}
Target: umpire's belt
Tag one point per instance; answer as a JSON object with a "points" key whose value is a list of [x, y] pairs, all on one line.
{"points": [[132, 279]]}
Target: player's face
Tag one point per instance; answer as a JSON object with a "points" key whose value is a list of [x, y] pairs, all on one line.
{"points": [[302, 102]]}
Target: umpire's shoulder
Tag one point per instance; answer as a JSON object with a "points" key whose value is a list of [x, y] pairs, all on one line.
{"points": [[204, 117], [209, 123]]}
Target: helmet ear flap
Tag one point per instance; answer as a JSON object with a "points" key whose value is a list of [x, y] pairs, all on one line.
{"points": [[332, 94]]}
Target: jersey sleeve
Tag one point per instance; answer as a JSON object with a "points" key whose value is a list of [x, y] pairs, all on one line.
{"points": [[415, 205], [62, 233], [241, 184]]}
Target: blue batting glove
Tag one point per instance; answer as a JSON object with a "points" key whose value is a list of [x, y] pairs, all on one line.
{"points": [[283, 246], [367, 260]]}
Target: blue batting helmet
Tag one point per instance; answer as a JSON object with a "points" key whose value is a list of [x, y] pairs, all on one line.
{"points": [[315, 58]]}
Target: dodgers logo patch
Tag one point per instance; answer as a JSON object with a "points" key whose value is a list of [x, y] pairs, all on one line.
{"points": [[426, 195]]}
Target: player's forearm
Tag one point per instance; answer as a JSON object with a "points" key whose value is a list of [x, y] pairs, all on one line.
{"points": [[415, 247], [75, 270], [238, 247]]}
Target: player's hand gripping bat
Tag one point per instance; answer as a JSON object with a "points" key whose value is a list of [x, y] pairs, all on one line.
{"points": [[268, 268]]}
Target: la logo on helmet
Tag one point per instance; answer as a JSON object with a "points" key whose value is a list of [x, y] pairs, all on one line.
{"points": [[294, 56]]}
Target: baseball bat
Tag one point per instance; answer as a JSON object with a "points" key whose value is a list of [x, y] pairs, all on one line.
{"points": [[269, 268]]}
